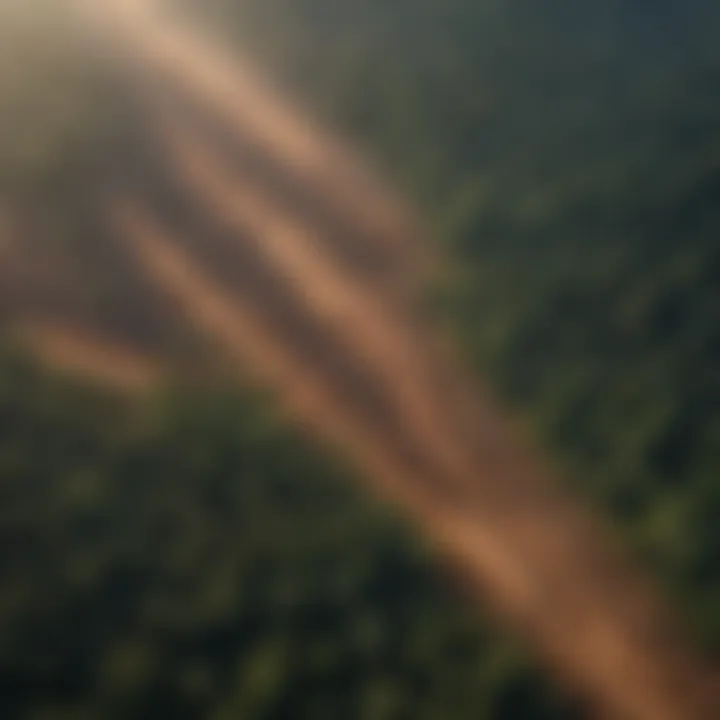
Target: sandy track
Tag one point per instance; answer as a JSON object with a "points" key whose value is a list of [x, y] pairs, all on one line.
{"points": [[538, 557], [318, 398], [89, 356], [351, 364], [319, 164]]}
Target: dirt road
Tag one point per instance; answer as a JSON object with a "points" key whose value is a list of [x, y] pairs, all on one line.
{"points": [[79, 353], [275, 241]]}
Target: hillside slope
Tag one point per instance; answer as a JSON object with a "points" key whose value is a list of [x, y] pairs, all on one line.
{"points": [[569, 157], [201, 265]]}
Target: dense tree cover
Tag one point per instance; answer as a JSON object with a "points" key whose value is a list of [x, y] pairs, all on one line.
{"points": [[569, 156], [188, 556]]}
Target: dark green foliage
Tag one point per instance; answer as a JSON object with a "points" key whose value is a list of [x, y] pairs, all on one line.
{"points": [[189, 557], [569, 155]]}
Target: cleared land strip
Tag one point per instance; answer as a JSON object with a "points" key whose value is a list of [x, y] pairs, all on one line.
{"points": [[84, 354]]}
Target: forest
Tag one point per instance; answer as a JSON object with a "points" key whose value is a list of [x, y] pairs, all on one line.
{"points": [[568, 160], [188, 554]]}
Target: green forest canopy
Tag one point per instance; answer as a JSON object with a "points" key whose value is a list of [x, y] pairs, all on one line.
{"points": [[187, 556], [568, 155], [569, 159]]}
